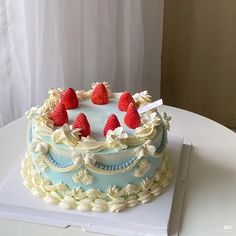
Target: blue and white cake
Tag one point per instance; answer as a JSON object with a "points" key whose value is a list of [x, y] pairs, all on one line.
{"points": [[99, 173]]}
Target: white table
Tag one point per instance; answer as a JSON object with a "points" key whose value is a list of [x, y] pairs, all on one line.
{"points": [[210, 201]]}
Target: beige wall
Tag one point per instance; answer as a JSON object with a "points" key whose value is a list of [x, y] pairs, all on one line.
{"points": [[199, 57]]}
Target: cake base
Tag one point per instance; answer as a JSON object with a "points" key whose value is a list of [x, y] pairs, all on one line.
{"points": [[157, 213], [94, 199]]}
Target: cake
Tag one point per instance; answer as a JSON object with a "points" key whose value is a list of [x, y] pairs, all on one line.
{"points": [[95, 151]]}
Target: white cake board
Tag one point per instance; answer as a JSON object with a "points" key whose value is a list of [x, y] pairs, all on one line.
{"points": [[153, 218]]}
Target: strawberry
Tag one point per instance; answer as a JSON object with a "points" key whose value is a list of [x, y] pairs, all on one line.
{"points": [[82, 123], [59, 115], [99, 94], [111, 124], [132, 117], [124, 101], [69, 99]]}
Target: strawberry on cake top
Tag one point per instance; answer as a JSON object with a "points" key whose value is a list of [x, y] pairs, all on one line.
{"points": [[70, 110]]}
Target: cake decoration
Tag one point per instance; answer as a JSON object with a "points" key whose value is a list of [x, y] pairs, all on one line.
{"points": [[64, 135], [69, 99], [59, 115], [132, 117], [142, 98], [96, 158], [124, 101], [82, 123], [142, 168], [83, 177], [99, 94], [116, 138], [111, 124]]}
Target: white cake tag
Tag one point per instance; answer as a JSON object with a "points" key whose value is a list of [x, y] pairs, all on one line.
{"points": [[150, 106]]}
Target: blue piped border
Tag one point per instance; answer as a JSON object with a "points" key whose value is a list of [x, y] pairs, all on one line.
{"points": [[116, 167], [98, 165], [58, 164]]}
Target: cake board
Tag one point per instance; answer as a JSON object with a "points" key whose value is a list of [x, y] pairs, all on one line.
{"points": [[157, 217]]}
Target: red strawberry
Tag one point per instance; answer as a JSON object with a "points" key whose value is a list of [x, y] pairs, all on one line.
{"points": [[111, 124], [132, 117], [99, 94], [82, 123], [69, 99], [59, 115], [124, 101]]}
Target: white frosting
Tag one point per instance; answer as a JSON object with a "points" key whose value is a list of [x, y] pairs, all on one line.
{"points": [[39, 146], [82, 94], [117, 205], [33, 112], [37, 191], [61, 187], [83, 177], [66, 135], [84, 158], [43, 130], [52, 198], [147, 183], [132, 189], [143, 167], [145, 196], [132, 201], [85, 205], [166, 120], [41, 164], [151, 118], [142, 98], [147, 149], [116, 139], [149, 121], [90, 144], [99, 205], [68, 203], [94, 194], [114, 192]]}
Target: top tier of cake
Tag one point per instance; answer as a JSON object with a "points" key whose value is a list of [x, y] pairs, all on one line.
{"points": [[123, 138]]}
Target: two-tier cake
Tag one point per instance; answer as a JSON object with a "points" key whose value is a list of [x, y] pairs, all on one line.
{"points": [[94, 151]]}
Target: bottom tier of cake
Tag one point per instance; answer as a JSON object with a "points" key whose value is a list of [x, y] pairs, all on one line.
{"points": [[115, 199]]}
